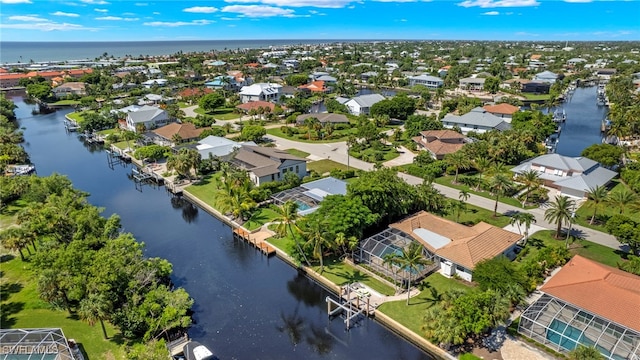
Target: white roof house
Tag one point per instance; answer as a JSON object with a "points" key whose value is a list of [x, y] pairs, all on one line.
{"points": [[149, 116], [217, 146], [571, 176], [149, 83], [478, 120], [546, 76], [260, 92], [432, 82], [362, 104]]}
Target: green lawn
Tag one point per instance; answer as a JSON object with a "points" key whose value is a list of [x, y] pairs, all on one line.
{"points": [[341, 273], [206, 189], [9, 213], [297, 152], [584, 213], [474, 215], [75, 116], [226, 114], [21, 308], [535, 96], [448, 181], [325, 166], [411, 315], [260, 217], [65, 103]]}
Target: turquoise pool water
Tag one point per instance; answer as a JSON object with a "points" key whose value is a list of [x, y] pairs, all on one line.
{"points": [[302, 206]]}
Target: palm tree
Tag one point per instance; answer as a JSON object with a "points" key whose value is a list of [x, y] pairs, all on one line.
{"points": [[346, 244], [411, 260], [95, 307], [13, 239], [523, 218], [598, 196], [458, 207], [530, 179], [287, 216], [561, 210], [582, 352], [464, 195], [500, 185], [317, 237], [622, 198], [391, 260], [457, 160]]}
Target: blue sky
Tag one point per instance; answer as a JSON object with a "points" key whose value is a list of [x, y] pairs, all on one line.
{"points": [[133, 20]]}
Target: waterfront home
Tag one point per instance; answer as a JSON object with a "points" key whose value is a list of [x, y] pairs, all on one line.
{"points": [[440, 142], [503, 110], [218, 147], [455, 249], [308, 196], [314, 87], [362, 104], [324, 118], [148, 117], [179, 132], [472, 84], [478, 120], [431, 82], [368, 75], [260, 92], [590, 304], [546, 77], [570, 176], [266, 164], [536, 87], [69, 89]]}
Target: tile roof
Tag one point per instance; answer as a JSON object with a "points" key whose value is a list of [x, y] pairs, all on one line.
{"points": [[263, 160], [603, 290], [467, 246], [255, 105], [185, 131], [440, 142], [503, 108], [314, 86]]}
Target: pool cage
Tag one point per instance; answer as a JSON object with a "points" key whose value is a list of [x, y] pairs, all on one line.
{"points": [[299, 195], [561, 327], [372, 252], [32, 344]]}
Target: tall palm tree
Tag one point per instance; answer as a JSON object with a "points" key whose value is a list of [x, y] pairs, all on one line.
{"points": [[458, 207], [531, 180], [95, 307], [14, 239], [464, 195], [500, 185], [316, 235], [560, 211], [391, 260], [597, 196], [523, 218], [482, 165], [287, 217], [411, 260], [458, 160], [622, 198]]}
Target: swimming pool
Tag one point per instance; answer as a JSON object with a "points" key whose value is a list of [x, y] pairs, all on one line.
{"points": [[302, 206]]}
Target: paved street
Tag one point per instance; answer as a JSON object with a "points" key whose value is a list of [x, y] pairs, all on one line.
{"points": [[338, 153]]}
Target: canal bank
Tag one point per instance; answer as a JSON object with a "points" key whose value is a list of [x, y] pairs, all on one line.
{"points": [[247, 306]]}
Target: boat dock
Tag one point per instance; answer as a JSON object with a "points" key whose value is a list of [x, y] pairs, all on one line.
{"points": [[71, 125], [256, 239], [355, 302]]}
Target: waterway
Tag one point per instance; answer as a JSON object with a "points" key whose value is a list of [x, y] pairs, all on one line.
{"points": [[584, 118], [247, 306]]}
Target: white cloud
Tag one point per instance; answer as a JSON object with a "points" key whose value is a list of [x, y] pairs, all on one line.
{"points": [[15, 1], [33, 18], [255, 11], [498, 3], [299, 3], [156, 13], [178, 23], [201, 9], [101, 10], [95, 2], [116, 18], [141, 4], [491, 13], [60, 13], [229, 18]]}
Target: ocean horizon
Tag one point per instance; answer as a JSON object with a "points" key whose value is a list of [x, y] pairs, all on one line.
{"points": [[28, 51]]}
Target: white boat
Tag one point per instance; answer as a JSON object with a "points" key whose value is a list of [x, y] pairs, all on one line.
{"points": [[559, 116], [193, 350]]}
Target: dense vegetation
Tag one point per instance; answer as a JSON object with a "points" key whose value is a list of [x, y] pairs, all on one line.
{"points": [[11, 152]]}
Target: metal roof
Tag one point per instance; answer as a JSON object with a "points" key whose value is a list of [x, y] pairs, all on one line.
{"points": [[329, 185]]}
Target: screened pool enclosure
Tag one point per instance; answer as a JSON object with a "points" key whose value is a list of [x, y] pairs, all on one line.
{"points": [[562, 327]]}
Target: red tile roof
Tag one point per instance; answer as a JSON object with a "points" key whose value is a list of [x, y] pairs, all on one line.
{"points": [[186, 131], [194, 92], [603, 290], [504, 108], [315, 86], [255, 105]]}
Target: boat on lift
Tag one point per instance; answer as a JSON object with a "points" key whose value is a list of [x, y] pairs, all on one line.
{"points": [[559, 116]]}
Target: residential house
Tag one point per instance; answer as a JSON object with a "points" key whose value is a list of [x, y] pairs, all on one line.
{"points": [[150, 117], [546, 77], [218, 147], [256, 105], [266, 164], [431, 82], [260, 92], [179, 132], [443, 71], [455, 249], [223, 82], [440, 142], [472, 84], [154, 82], [503, 110], [587, 303], [191, 93], [324, 118], [571, 176], [70, 89], [605, 74], [536, 87], [368, 75], [478, 120], [314, 87], [575, 61], [308, 196], [362, 104]]}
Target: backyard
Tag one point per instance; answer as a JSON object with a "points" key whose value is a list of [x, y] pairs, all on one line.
{"points": [[604, 211]]}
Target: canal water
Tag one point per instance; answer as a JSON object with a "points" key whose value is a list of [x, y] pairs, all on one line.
{"points": [[582, 127], [247, 306]]}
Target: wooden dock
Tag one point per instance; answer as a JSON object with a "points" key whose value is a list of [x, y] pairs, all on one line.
{"points": [[256, 239]]}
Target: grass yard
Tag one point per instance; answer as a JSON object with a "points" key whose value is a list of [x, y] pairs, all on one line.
{"points": [[411, 315], [605, 211], [448, 181], [206, 189], [21, 308], [536, 96], [474, 215], [325, 166], [297, 152], [9, 213], [260, 217], [341, 273], [75, 116], [65, 103]]}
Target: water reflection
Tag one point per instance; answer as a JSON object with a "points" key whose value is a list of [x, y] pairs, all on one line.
{"points": [[189, 210], [302, 289]]}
